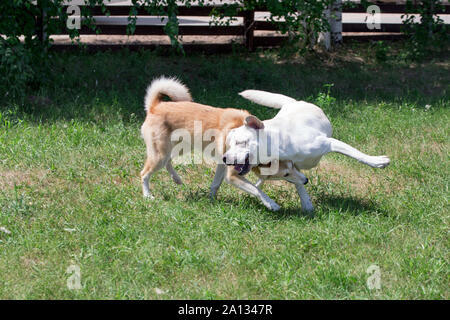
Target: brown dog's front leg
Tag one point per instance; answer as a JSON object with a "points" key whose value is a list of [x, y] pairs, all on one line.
{"points": [[218, 178]]}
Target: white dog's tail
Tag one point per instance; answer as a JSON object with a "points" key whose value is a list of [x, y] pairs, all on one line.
{"points": [[268, 99], [171, 87]]}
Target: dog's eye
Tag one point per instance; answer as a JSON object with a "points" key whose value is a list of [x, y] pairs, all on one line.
{"points": [[286, 174]]}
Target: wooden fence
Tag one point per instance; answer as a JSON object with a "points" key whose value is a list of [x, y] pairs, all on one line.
{"points": [[254, 33]]}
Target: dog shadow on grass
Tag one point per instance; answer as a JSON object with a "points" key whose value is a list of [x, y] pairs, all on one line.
{"points": [[325, 205]]}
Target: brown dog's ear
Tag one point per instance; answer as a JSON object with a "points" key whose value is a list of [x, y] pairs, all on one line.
{"points": [[253, 122]]}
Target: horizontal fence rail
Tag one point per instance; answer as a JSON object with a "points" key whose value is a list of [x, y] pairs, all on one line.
{"points": [[251, 31], [388, 8], [199, 11]]}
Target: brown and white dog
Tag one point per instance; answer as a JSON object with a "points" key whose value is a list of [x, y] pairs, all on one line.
{"points": [[164, 117], [286, 171]]}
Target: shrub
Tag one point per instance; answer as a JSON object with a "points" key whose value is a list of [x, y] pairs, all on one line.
{"points": [[427, 34]]}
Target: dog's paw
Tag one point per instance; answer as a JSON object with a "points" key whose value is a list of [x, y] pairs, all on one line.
{"points": [[177, 180], [259, 183], [309, 209], [149, 197], [212, 195], [273, 206], [379, 162]]}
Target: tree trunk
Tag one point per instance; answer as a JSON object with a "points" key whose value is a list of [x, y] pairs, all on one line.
{"points": [[336, 22], [333, 14], [42, 21]]}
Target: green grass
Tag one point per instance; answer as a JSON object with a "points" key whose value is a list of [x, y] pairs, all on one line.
{"points": [[71, 152]]}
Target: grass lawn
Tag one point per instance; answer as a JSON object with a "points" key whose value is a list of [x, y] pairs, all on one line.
{"points": [[70, 194]]}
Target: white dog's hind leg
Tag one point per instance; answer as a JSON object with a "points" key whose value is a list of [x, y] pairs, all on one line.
{"points": [[218, 178], [304, 198], [373, 161]]}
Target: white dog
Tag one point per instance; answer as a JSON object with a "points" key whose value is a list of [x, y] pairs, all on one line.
{"points": [[301, 132]]}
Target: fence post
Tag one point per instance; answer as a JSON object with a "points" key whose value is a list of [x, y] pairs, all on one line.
{"points": [[249, 27]]}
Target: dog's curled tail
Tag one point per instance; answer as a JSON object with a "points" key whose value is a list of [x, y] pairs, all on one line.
{"points": [[268, 99], [171, 87]]}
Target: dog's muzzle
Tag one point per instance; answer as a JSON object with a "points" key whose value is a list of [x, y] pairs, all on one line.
{"points": [[241, 168]]}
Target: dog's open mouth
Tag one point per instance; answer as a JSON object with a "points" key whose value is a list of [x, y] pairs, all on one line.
{"points": [[244, 168]]}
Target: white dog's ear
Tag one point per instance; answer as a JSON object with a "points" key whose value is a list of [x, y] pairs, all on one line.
{"points": [[253, 122]]}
